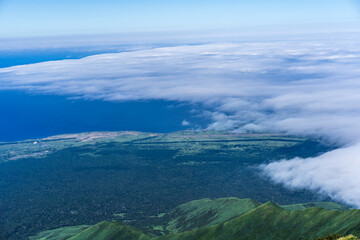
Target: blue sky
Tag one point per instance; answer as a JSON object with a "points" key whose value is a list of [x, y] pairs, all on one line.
{"points": [[22, 18]]}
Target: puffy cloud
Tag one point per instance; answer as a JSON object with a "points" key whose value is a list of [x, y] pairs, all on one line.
{"points": [[305, 87]]}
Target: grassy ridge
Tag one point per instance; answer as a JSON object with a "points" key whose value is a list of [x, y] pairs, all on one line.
{"points": [[325, 205], [270, 221], [59, 233], [108, 230], [206, 212], [233, 218]]}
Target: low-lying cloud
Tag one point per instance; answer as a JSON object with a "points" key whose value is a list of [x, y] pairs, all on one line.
{"points": [[334, 173], [303, 87]]}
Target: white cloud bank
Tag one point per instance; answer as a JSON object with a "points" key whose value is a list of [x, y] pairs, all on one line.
{"points": [[304, 87], [335, 173]]}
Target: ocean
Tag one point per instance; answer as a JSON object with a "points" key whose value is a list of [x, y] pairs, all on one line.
{"points": [[26, 115]]}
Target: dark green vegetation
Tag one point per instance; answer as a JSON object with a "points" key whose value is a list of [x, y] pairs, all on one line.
{"points": [[131, 177], [233, 218]]}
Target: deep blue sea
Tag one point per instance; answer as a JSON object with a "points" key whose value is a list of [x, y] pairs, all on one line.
{"points": [[27, 56], [28, 116]]}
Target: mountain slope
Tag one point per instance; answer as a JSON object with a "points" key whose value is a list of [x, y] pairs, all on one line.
{"points": [[270, 221], [325, 205], [108, 230], [206, 212], [233, 218], [59, 233]]}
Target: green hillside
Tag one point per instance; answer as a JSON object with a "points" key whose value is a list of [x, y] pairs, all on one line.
{"points": [[108, 230], [270, 221], [326, 205], [59, 233], [233, 218], [206, 212]]}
